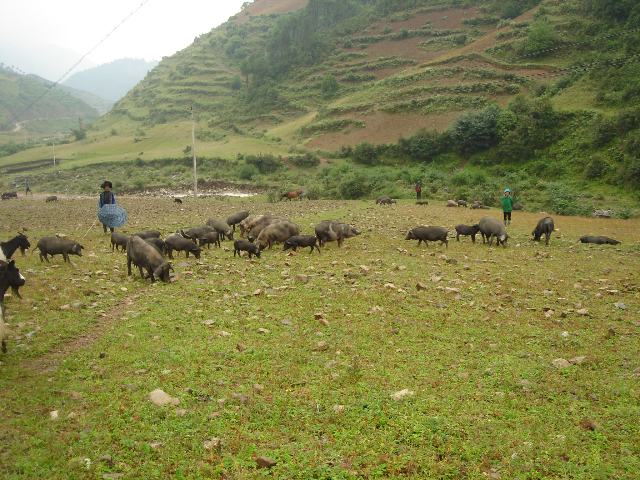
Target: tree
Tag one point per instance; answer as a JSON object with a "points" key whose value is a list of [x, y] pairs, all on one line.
{"points": [[329, 84], [476, 130], [81, 132]]}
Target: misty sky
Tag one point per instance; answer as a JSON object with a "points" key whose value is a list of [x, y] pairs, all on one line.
{"points": [[29, 29]]}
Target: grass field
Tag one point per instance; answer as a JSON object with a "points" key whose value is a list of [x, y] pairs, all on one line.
{"points": [[380, 359]]}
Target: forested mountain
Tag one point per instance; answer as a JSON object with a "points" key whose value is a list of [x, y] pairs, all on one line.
{"points": [[547, 89], [112, 80]]}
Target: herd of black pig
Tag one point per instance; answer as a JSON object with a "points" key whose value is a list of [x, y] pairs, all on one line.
{"points": [[147, 251]]}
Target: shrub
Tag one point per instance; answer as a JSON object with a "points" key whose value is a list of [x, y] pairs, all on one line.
{"points": [[247, 172], [307, 160], [365, 153], [265, 163], [597, 167], [562, 202]]}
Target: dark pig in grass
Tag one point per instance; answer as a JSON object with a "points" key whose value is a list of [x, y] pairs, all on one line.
{"points": [[276, 232], [148, 234], [145, 255], [119, 240], [236, 217], [431, 234], [384, 200], [599, 240], [195, 233], [490, 228], [158, 243], [242, 245], [58, 246], [333, 230], [177, 242], [301, 241], [51, 198], [9, 277], [545, 226], [209, 238], [467, 230], [221, 227], [422, 202]]}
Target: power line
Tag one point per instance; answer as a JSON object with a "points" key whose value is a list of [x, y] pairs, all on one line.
{"points": [[74, 66]]}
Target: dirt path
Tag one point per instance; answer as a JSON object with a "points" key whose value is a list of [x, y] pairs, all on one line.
{"points": [[49, 362]]}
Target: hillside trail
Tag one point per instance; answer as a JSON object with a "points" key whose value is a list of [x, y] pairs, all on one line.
{"points": [[50, 361], [224, 67]]}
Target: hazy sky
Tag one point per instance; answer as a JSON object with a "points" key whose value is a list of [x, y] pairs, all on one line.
{"points": [[159, 28]]}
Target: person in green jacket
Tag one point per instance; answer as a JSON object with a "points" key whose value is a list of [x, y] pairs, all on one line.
{"points": [[507, 206]]}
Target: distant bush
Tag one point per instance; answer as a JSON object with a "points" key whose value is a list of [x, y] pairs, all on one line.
{"points": [[265, 163], [247, 172], [562, 202], [307, 160]]}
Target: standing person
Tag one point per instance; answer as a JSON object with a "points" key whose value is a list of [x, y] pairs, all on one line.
{"points": [[106, 197], [28, 189], [418, 190], [507, 206]]}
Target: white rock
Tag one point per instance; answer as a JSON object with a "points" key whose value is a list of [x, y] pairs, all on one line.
{"points": [[561, 363], [402, 394]]}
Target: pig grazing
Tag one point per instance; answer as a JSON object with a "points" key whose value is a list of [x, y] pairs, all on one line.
{"points": [[276, 232], [255, 231], [158, 243], [462, 203], [209, 238], [243, 245], [144, 255], [177, 242], [432, 234], [489, 228], [544, 226], [58, 246], [235, 218], [422, 202], [51, 198], [177, 200], [332, 230], [470, 230], [301, 241], [600, 240], [195, 233], [221, 227], [148, 234], [9, 277], [452, 203], [119, 240], [518, 206], [384, 200]]}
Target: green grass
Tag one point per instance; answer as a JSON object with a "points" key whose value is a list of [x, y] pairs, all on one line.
{"points": [[487, 399]]}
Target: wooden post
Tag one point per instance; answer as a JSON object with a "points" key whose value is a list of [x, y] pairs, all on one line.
{"points": [[193, 147], [54, 153]]}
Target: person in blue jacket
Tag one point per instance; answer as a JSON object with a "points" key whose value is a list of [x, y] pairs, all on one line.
{"points": [[106, 197]]}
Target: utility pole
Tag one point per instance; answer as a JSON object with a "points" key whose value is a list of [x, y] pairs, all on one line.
{"points": [[193, 147], [54, 153]]}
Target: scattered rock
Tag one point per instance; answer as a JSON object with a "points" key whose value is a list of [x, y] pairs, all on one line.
{"points": [[214, 444], [402, 394], [240, 347], [160, 398], [265, 462], [54, 415], [589, 424], [323, 345], [561, 363], [420, 286], [302, 278], [577, 360]]}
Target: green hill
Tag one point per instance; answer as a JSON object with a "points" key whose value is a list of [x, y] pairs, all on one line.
{"points": [[101, 105], [26, 99], [461, 94]]}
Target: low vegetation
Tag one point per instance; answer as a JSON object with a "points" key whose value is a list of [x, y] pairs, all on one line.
{"points": [[377, 360]]}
